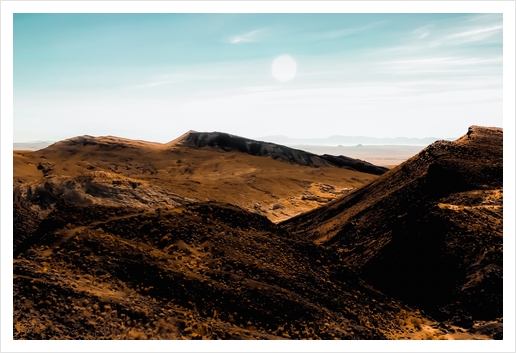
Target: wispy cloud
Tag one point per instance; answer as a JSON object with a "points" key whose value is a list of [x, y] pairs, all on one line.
{"points": [[467, 36], [423, 31], [438, 65], [484, 17], [476, 34], [430, 37], [246, 37], [344, 32], [152, 84], [171, 79]]}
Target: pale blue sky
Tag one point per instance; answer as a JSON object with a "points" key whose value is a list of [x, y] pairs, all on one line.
{"points": [[155, 76]]}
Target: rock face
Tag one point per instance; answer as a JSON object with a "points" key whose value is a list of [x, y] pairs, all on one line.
{"points": [[95, 188], [34, 201], [227, 142], [429, 231], [25, 223]]}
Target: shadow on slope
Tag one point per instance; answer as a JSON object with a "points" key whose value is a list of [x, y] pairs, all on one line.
{"points": [[201, 271], [429, 231], [227, 142]]}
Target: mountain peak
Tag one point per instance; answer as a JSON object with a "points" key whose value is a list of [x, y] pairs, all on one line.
{"points": [[180, 139]]}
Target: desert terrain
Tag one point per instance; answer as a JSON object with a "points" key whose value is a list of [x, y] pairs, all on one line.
{"points": [[387, 156], [215, 236], [286, 183]]}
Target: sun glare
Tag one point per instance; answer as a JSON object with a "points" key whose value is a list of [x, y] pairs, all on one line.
{"points": [[284, 68]]}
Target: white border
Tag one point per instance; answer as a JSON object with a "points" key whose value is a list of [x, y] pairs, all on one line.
{"points": [[7, 10], [257, 6]]}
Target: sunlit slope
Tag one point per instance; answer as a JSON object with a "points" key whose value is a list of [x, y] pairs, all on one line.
{"points": [[271, 187]]}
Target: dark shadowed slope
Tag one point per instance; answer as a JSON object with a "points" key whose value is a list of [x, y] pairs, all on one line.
{"points": [[203, 271], [430, 230], [227, 142]]}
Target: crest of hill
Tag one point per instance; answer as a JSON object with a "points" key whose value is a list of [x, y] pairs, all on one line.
{"points": [[474, 161], [273, 187], [430, 230], [227, 142], [215, 140], [102, 142]]}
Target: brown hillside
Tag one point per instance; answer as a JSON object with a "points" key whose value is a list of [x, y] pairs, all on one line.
{"points": [[124, 239], [259, 184], [204, 271], [429, 231]]}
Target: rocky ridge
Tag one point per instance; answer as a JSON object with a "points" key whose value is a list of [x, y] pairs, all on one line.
{"points": [[227, 142]]}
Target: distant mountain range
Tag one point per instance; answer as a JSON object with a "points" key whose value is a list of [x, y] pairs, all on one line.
{"points": [[32, 145], [292, 141], [352, 140]]}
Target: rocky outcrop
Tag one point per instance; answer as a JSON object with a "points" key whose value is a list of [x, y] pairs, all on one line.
{"points": [[95, 188]]}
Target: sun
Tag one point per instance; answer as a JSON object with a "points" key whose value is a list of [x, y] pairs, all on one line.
{"points": [[284, 68]]}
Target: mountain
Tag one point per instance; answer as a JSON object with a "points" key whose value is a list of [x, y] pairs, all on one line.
{"points": [[227, 142], [85, 168], [429, 231], [125, 239], [31, 146], [284, 140]]}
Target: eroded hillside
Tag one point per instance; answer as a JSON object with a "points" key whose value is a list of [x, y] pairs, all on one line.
{"points": [[429, 231], [205, 271]]}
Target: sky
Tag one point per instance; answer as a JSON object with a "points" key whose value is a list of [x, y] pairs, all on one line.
{"points": [[155, 76]]}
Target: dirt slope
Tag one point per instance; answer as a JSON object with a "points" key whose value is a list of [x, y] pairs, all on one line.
{"points": [[259, 184], [429, 231]]}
